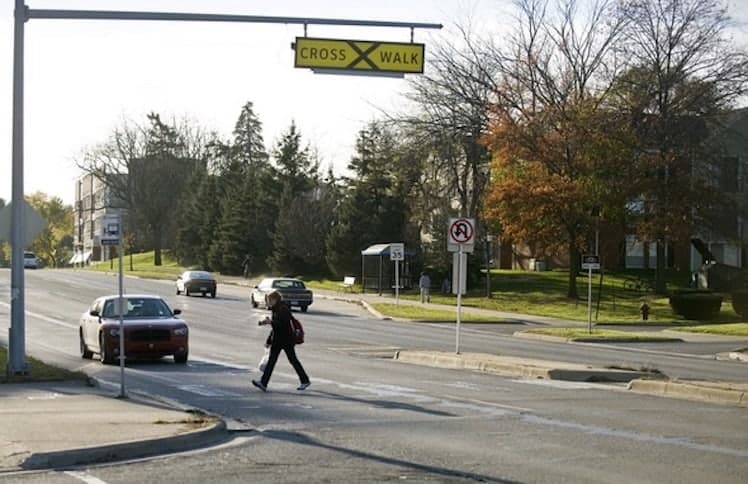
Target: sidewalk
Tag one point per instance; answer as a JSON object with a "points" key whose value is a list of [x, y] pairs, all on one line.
{"points": [[60, 424]]}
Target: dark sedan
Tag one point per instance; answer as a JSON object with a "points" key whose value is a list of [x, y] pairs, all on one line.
{"points": [[293, 291], [151, 329], [201, 282]]}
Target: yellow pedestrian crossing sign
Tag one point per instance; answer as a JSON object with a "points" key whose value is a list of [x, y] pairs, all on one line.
{"points": [[358, 55]]}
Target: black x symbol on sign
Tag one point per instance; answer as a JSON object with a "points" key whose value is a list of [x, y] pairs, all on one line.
{"points": [[363, 55]]}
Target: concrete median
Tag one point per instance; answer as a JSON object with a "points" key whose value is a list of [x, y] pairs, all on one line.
{"points": [[712, 392], [522, 367]]}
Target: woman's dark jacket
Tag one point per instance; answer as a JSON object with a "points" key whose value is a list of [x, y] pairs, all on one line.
{"points": [[281, 321]]}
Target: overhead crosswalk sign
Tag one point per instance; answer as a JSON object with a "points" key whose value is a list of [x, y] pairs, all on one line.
{"points": [[358, 55]]}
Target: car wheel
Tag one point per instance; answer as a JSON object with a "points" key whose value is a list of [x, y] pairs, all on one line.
{"points": [[178, 291], [254, 303], [213, 294], [180, 358], [304, 308], [104, 355], [85, 352], [186, 291]]}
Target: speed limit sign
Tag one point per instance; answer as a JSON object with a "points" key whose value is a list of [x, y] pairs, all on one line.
{"points": [[397, 251]]}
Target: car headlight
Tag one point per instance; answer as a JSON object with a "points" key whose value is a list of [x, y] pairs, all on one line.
{"points": [[180, 331], [114, 331]]}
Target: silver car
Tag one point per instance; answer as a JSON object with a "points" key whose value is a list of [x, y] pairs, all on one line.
{"points": [[30, 260], [293, 291]]}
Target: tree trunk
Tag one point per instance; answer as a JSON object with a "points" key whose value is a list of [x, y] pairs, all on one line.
{"points": [[574, 261], [157, 247], [660, 286]]}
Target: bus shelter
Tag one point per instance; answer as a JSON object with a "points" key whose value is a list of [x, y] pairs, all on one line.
{"points": [[381, 275]]}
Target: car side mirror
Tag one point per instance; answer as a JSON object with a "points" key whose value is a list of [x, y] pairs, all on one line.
{"points": [[177, 311], [93, 312]]}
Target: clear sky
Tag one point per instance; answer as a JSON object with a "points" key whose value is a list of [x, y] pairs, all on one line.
{"points": [[84, 77]]}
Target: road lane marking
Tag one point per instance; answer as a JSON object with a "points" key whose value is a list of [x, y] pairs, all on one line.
{"points": [[206, 391], [85, 477], [46, 318], [636, 436]]}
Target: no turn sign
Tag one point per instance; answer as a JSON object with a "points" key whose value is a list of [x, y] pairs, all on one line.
{"points": [[461, 231]]}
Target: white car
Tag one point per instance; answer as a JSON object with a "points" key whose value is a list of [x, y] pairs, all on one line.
{"points": [[30, 261]]}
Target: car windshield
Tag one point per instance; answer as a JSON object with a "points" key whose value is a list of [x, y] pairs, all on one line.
{"points": [[138, 307], [199, 275], [29, 255], [288, 284]]}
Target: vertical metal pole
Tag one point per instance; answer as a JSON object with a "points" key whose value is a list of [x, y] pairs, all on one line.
{"points": [[397, 282], [459, 298], [589, 299], [16, 337], [122, 393]]}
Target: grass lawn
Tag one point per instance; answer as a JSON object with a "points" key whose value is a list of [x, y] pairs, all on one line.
{"points": [[38, 371], [418, 313], [142, 265], [544, 294], [597, 334], [735, 329]]}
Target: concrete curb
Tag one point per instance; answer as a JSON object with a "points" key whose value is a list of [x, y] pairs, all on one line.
{"points": [[721, 393], [353, 300], [127, 450], [522, 367], [560, 339]]}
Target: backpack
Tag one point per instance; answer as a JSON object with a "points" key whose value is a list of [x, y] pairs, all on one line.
{"points": [[297, 331]]}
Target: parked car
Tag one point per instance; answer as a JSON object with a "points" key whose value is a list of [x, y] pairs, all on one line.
{"points": [[30, 260], [196, 281], [151, 328], [293, 291]]}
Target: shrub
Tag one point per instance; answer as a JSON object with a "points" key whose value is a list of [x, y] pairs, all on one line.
{"points": [[740, 302], [696, 304]]}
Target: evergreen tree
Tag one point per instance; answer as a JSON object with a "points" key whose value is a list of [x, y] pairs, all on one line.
{"points": [[199, 215], [246, 210], [299, 209], [373, 211]]}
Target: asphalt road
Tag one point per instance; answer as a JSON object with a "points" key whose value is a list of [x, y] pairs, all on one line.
{"points": [[368, 418]]}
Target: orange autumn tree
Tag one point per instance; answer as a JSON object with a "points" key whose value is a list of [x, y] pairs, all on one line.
{"points": [[547, 179], [557, 146]]}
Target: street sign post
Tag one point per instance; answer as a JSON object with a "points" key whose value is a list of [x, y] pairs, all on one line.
{"points": [[358, 55], [397, 253], [111, 234], [460, 235], [590, 262]]}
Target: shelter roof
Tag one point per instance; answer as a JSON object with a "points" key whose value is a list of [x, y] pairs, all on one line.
{"points": [[383, 249]]}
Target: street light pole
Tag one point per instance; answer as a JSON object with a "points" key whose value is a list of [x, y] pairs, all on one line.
{"points": [[16, 337]]}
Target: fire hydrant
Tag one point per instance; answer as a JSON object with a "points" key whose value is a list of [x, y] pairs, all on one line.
{"points": [[644, 310]]}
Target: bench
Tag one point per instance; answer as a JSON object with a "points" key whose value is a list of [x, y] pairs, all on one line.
{"points": [[348, 282]]}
